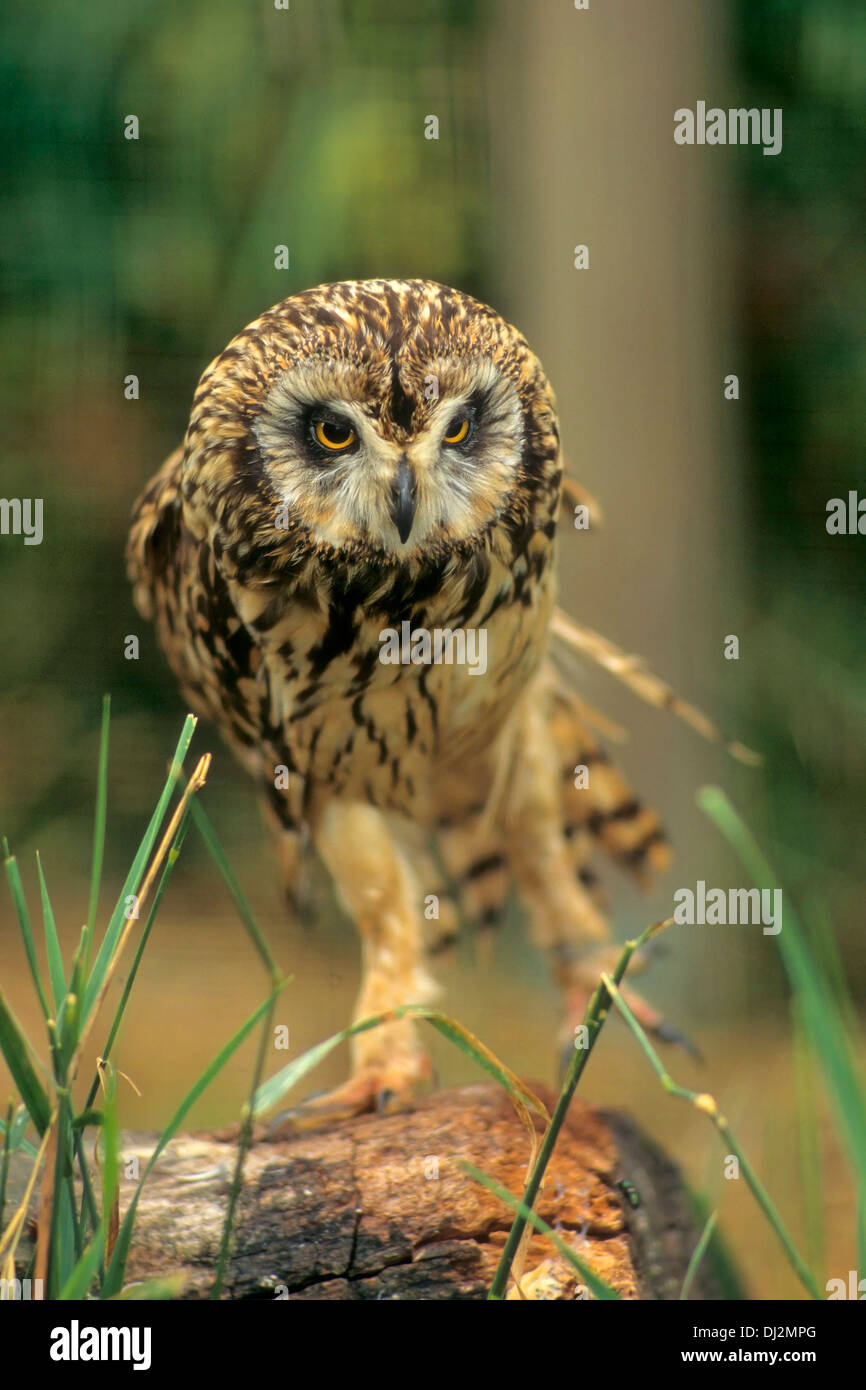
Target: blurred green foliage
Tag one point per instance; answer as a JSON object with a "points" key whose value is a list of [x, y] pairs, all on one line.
{"points": [[801, 252], [257, 127]]}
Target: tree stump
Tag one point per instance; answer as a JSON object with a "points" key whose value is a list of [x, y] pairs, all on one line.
{"points": [[378, 1207]]}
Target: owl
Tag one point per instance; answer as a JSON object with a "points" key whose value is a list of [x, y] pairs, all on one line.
{"points": [[350, 564]]}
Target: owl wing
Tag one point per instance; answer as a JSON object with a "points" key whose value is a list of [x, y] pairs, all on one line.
{"points": [[177, 584]]}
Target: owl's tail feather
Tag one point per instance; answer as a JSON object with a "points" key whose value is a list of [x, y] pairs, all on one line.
{"points": [[475, 859], [599, 808], [563, 800], [633, 672], [566, 799]]}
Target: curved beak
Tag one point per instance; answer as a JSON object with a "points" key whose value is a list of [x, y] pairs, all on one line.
{"points": [[402, 508]]}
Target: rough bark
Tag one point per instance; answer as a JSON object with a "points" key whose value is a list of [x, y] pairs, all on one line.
{"points": [[379, 1207]]}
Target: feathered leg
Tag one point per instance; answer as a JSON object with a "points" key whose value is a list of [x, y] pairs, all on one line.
{"points": [[290, 843], [563, 916], [565, 798], [376, 883]]}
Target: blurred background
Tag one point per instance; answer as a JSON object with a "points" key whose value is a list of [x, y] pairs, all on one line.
{"points": [[305, 127]]}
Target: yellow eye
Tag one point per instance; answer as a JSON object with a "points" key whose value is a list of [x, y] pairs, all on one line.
{"points": [[333, 435], [458, 430]]}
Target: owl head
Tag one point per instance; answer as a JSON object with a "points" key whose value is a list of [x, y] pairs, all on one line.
{"points": [[392, 420]]}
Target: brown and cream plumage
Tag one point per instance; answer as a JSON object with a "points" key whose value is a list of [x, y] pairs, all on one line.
{"points": [[362, 455]]}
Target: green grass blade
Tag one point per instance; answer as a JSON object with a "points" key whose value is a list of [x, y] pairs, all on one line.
{"points": [[809, 1144], [594, 1019], [162, 1287], [16, 1054], [593, 1281], [89, 1119], [89, 1213], [110, 1149], [72, 1231], [136, 872], [114, 1274], [706, 1105], [77, 1286], [277, 1086], [68, 1019], [243, 1147], [16, 888], [271, 1092], [5, 1155], [52, 944], [725, 1271], [217, 854], [17, 1132], [822, 1017], [823, 940], [473, 1048], [68, 1024], [98, 826], [62, 1256], [171, 860], [698, 1254]]}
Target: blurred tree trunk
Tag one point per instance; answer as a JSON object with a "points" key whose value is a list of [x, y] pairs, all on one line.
{"points": [[636, 346]]}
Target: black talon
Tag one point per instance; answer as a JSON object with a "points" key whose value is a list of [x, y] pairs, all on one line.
{"points": [[295, 1113], [668, 1033], [650, 952], [285, 1117], [383, 1100]]}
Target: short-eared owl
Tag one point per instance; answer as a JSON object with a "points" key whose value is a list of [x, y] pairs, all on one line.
{"points": [[367, 463]]}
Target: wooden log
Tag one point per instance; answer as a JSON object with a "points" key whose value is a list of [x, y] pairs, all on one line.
{"points": [[379, 1208]]}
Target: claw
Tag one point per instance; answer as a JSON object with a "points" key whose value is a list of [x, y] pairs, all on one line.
{"points": [[659, 1027], [382, 1090], [669, 1033], [648, 1018], [655, 948], [283, 1121], [290, 1117], [384, 1101]]}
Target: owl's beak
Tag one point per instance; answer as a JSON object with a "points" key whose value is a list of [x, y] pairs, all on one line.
{"points": [[402, 507]]}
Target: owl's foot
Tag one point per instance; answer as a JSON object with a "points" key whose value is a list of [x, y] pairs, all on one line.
{"points": [[650, 1020], [382, 1089]]}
